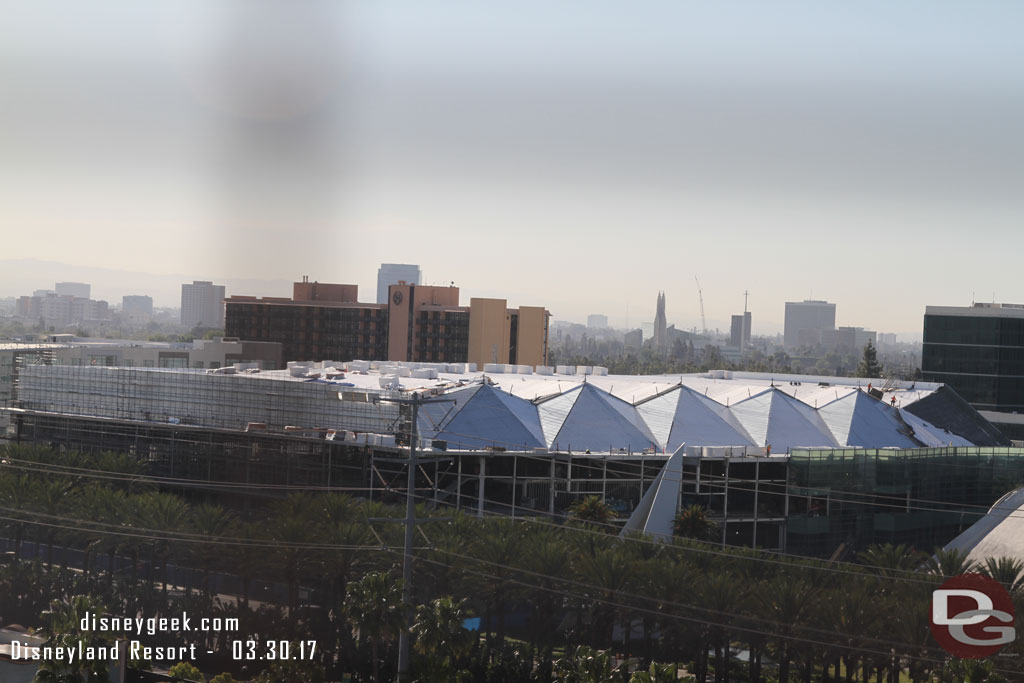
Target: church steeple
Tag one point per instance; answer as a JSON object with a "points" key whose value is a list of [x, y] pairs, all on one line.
{"points": [[660, 325]]}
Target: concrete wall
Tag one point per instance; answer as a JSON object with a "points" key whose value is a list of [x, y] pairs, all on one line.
{"points": [[324, 291], [399, 304], [489, 331], [531, 340], [404, 300]]}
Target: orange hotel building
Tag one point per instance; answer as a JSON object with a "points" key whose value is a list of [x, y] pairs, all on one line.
{"points": [[420, 323]]}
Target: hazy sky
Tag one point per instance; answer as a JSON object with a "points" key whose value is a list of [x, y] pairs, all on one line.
{"points": [[579, 155]]}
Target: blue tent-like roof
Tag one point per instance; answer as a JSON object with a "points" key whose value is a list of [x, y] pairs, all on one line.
{"points": [[587, 418], [776, 418], [686, 416], [492, 417], [857, 419]]}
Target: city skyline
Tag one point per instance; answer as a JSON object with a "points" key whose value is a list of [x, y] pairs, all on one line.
{"points": [[867, 155], [167, 294]]}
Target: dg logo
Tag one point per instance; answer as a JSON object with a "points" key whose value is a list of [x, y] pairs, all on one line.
{"points": [[972, 616]]}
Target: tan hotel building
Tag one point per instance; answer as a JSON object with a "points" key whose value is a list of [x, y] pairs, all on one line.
{"points": [[420, 323]]}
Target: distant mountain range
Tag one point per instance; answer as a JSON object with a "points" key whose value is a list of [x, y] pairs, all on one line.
{"points": [[23, 276]]}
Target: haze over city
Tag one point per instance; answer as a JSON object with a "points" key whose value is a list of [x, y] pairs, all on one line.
{"points": [[577, 159], [534, 341]]}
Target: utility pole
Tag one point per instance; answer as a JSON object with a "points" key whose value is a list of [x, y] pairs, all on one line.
{"points": [[410, 527], [410, 521]]}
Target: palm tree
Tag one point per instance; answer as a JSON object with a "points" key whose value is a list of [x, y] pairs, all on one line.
{"points": [[788, 600], [693, 522], [63, 630], [214, 523], [1008, 571], [132, 514], [248, 558], [544, 554], [589, 666], [854, 611], [441, 637], [947, 563], [101, 505], [343, 523], [295, 521], [16, 494], [164, 515], [607, 572], [50, 497], [126, 465], [341, 564], [449, 538], [657, 673], [374, 604], [722, 595], [499, 547], [889, 560], [669, 583], [186, 672], [592, 511], [909, 620]]}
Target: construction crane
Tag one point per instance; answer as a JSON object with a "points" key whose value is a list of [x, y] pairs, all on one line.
{"points": [[700, 294]]}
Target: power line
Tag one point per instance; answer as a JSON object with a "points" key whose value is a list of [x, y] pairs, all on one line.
{"points": [[627, 594], [787, 486], [182, 482], [100, 474], [859, 570], [177, 537], [732, 627], [610, 526]]}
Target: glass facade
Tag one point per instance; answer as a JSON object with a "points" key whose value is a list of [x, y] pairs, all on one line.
{"points": [[922, 497], [982, 358]]}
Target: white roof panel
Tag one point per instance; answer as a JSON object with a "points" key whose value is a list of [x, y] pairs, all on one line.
{"points": [[857, 419], [492, 417], [753, 415], [931, 435], [600, 422], [659, 413], [701, 421], [1000, 533], [782, 421], [554, 411]]}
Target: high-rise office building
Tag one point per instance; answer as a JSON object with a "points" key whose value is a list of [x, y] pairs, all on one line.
{"points": [[739, 335], [391, 274], [202, 305], [81, 290], [805, 322], [634, 339], [854, 339], [134, 304], [596, 321], [979, 351], [58, 310]]}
